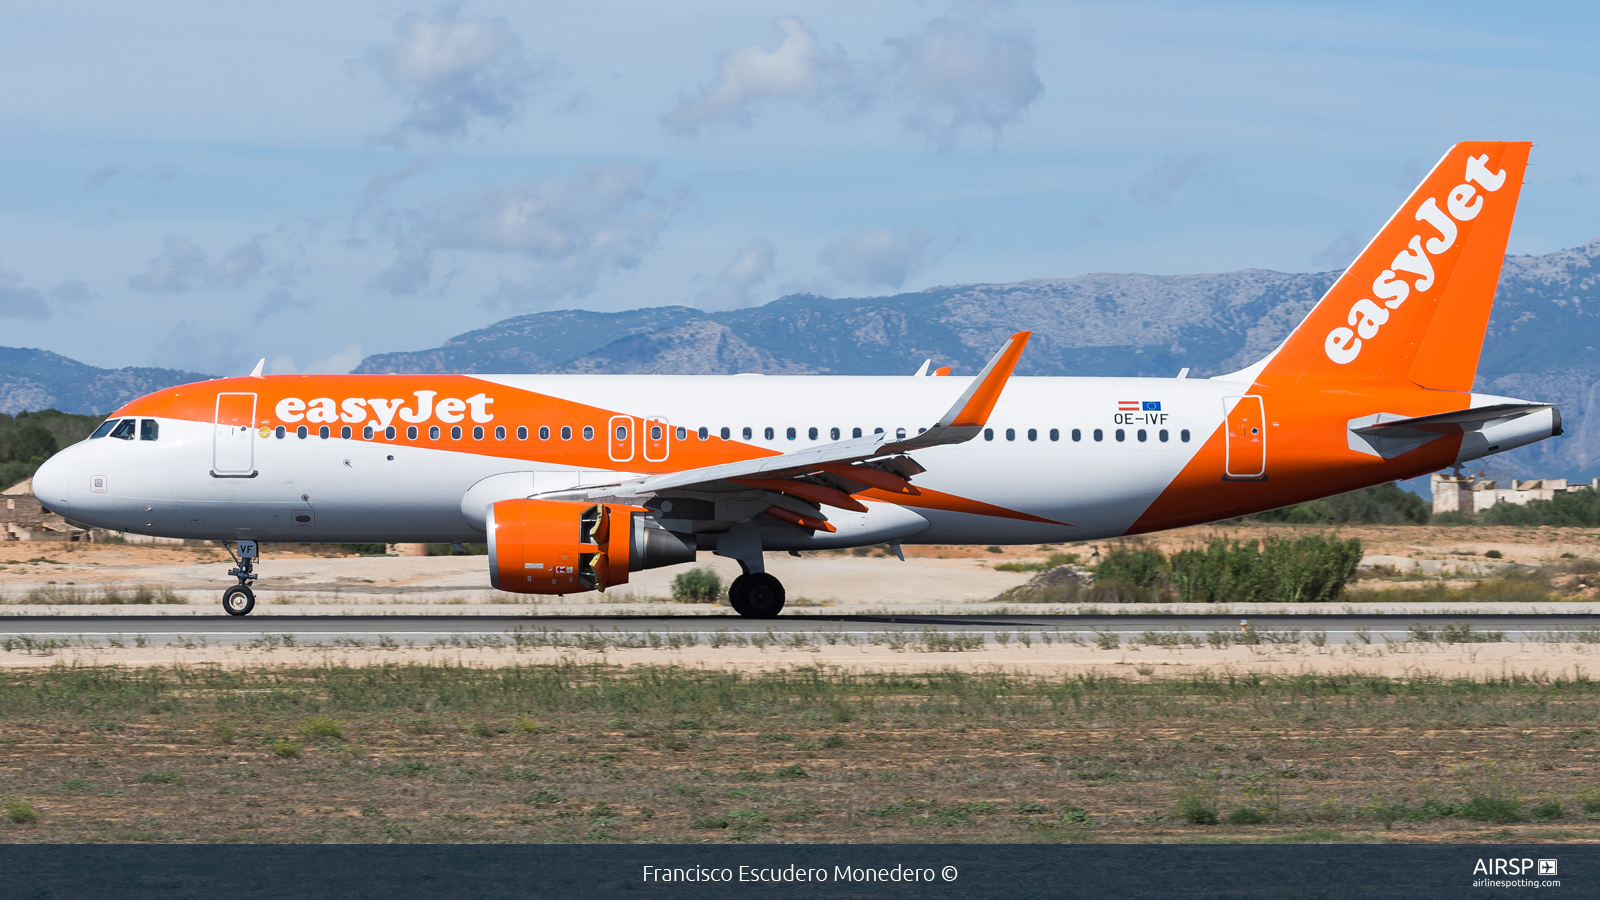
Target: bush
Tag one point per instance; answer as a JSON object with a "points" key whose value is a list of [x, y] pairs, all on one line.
{"points": [[697, 586], [1138, 566], [1247, 815], [322, 727], [1310, 569], [20, 811], [1383, 504], [285, 750], [1577, 508]]}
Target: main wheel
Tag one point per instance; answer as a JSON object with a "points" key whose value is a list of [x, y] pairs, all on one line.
{"points": [[756, 596], [238, 600]]}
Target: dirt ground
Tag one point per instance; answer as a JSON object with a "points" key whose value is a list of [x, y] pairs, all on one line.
{"points": [[933, 578], [597, 753]]}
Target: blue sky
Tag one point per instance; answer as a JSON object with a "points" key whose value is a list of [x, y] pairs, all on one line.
{"points": [[198, 185]]}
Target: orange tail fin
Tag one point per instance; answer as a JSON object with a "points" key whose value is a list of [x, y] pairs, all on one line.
{"points": [[1415, 303]]}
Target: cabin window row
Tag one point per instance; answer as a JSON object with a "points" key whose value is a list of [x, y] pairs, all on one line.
{"points": [[1141, 435]]}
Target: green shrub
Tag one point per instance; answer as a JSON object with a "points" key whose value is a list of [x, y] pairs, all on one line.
{"points": [[285, 750], [697, 586], [224, 732], [1383, 504], [1548, 811], [1309, 569], [20, 811], [1577, 508], [161, 778], [322, 727], [1197, 804], [1247, 815], [1501, 810], [1138, 566]]}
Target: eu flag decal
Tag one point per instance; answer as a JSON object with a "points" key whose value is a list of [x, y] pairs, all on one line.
{"points": [[1152, 406]]}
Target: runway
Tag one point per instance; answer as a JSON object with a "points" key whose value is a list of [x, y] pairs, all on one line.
{"points": [[623, 630]]}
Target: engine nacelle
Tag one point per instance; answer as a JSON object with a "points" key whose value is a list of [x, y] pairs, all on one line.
{"points": [[568, 546]]}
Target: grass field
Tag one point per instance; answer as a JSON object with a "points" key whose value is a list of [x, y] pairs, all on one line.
{"points": [[558, 753]]}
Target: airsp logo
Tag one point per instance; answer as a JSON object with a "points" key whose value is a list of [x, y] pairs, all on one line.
{"points": [[1512, 866], [1366, 317]]}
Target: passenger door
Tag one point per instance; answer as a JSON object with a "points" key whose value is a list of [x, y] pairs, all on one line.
{"points": [[233, 440], [1246, 438]]}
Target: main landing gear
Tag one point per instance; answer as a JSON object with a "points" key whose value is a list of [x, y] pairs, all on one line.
{"points": [[239, 599], [756, 595]]}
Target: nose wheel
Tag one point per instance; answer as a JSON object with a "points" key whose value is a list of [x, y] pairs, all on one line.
{"points": [[756, 595], [239, 599]]}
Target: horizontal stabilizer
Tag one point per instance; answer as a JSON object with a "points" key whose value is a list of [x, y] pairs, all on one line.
{"points": [[1389, 434]]}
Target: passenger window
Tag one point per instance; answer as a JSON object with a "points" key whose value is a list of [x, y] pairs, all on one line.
{"points": [[366, 432], [522, 432], [455, 432], [833, 434], [125, 429], [684, 433], [747, 432], [769, 432], [988, 434], [322, 432], [1121, 435], [1011, 434], [725, 432], [477, 432], [704, 433], [499, 432], [811, 433], [1055, 434], [105, 428], [900, 434], [855, 432], [877, 431], [149, 429], [790, 433], [588, 432], [1099, 435], [1184, 435], [622, 433], [1077, 434], [544, 432], [1143, 436], [1033, 434], [280, 432], [345, 432], [433, 432], [1162, 434], [300, 433], [566, 432], [388, 433]]}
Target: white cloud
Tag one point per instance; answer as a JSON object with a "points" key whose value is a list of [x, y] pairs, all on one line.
{"points": [[455, 71], [574, 229], [240, 265], [1341, 251], [967, 71], [71, 293], [1156, 187], [750, 267], [173, 270], [182, 263], [883, 257], [797, 69], [18, 302]]}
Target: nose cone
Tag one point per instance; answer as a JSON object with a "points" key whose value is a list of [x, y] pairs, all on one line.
{"points": [[51, 483]]}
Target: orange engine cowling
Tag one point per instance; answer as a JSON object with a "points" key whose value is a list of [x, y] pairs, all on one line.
{"points": [[568, 546]]}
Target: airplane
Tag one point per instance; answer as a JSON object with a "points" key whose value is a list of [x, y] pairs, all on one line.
{"points": [[576, 481]]}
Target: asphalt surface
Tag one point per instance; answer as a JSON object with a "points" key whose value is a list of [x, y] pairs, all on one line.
{"points": [[422, 630]]}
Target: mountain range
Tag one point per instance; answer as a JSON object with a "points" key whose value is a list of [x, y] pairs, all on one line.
{"points": [[1543, 340]]}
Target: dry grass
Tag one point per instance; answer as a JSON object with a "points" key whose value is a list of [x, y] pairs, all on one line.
{"points": [[596, 753]]}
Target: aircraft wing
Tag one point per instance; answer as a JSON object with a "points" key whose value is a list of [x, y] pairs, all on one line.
{"points": [[833, 471]]}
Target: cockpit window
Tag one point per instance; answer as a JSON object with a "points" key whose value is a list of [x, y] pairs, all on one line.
{"points": [[124, 430], [149, 429], [105, 428]]}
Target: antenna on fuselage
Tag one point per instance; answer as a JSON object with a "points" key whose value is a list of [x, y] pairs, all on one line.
{"points": [[256, 372]]}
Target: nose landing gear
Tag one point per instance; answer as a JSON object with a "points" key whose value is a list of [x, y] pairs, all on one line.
{"points": [[239, 599]]}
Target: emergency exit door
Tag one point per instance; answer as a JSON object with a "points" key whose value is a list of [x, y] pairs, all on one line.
{"points": [[1246, 438], [233, 441]]}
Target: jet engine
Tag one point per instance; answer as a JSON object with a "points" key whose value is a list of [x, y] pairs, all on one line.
{"points": [[566, 546]]}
